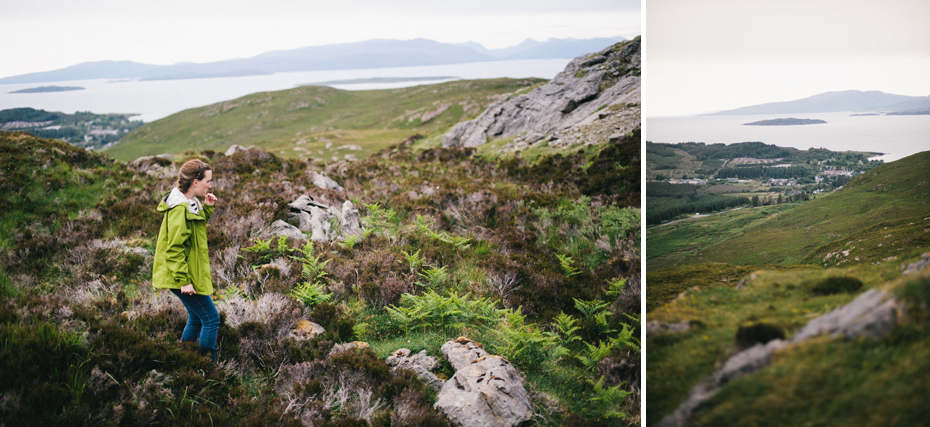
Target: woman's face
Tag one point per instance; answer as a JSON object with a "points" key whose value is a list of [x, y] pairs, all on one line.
{"points": [[202, 186]]}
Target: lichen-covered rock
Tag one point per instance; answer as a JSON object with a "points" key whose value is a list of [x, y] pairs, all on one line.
{"points": [[574, 97], [462, 352], [420, 363], [486, 393], [323, 181], [306, 330]]}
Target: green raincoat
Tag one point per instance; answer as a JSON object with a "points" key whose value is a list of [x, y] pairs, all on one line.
{"points": [[181, 256]]}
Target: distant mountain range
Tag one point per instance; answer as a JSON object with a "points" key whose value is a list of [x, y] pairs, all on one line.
{"points": [[344, 56], [849, 100]]}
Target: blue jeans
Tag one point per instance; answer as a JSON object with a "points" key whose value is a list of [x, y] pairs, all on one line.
{"points": [[202, 320]]}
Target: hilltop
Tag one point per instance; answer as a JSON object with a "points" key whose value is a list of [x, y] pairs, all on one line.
{"points": [[303, 121]]}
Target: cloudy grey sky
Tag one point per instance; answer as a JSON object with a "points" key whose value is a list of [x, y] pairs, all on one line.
{"points": [[706, 56], [42, 35]]}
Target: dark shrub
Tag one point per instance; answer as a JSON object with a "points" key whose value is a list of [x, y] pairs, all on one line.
{"points": [[757, 333], [836, 285], [339, 326]]}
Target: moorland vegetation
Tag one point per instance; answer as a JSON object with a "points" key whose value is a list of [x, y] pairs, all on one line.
{"points": [[538, 261]]}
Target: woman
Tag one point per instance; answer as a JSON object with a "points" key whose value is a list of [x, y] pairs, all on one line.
{"points": [[182, 262]]}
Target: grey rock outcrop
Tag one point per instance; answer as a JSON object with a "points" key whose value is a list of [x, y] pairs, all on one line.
{"points": [[281, 228], [323, 181], [462, 352], [350, 224], [320, 225], [420, 363], [575, 97], [235, 148], [872, 314], [304, 203], [487, 393]]}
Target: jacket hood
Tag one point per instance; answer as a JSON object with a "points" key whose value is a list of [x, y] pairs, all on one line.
{"points": [[176, 197]]}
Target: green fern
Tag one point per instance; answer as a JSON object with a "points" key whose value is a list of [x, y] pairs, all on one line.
{"points": [[566, 262], [615, 287], [436, 277], [608, 399], [415, 261], [311, 294], [312, 267]]}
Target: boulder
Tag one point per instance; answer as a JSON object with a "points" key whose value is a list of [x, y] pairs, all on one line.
{"points": [[462, 352], [324, 181], [486, 393], [419, 363], [235, 149], [306, 330], [872, 314], [350, 224], [281, 228], [320, 226], [304, 203], [341, 348]]}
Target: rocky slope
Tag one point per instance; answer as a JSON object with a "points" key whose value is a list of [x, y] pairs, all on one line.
{"points": [[595, 99]]}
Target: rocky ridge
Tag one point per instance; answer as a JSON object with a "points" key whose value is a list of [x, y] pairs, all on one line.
{"points": [[595, 99]]}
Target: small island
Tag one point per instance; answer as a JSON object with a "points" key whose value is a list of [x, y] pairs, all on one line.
{"points": [[864, 114], [785, 122], [42, 89]]}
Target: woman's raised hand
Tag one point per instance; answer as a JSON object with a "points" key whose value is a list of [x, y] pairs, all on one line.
{"points": [[210, 199]]}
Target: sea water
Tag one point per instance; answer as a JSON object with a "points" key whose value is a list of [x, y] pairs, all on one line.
{"points": [[895, 137], [152, 100]]}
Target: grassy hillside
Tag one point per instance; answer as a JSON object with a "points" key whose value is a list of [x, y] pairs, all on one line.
{"points": [[317, 122], [823, 382], [872, 217], [768, 265], [86, 340]]}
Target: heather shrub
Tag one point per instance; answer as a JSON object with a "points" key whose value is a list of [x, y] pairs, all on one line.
{"points": [[757, 333], [836, 285]]}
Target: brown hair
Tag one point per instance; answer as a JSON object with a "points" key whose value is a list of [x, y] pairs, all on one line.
{"points": [[192, 169]]}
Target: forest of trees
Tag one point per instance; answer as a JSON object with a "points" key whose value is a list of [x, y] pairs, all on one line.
{"points": [[665, 202]]}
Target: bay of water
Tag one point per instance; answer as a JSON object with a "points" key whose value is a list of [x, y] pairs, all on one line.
{"points": [[894, 136], [153, 100]]}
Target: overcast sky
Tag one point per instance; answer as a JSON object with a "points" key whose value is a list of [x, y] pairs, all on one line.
{"points": [[43, 35], [707, 56]]}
